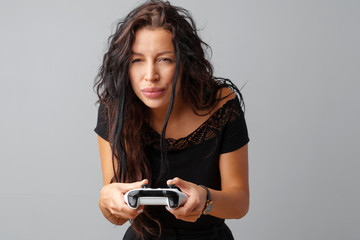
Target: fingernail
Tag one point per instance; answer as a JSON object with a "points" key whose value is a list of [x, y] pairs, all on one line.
{"points": [[167, 208], [140, 210]]}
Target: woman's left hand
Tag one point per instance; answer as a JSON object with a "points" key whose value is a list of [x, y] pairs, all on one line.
{"points": [[194, 205]]}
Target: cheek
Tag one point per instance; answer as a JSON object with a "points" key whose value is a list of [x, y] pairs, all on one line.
{"points": [[169, 73], [135, 87], [133, 79]]}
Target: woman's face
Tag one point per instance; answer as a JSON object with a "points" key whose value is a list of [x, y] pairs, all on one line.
{"points": [[152, 67]]}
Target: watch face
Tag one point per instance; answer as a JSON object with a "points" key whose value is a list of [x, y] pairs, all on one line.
{"points": [[208, 208]]}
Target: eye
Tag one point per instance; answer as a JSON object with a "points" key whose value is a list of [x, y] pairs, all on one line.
{"points": [[166, 60], [135, 60]]}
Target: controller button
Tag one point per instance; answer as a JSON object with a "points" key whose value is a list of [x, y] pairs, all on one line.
{"points": [[132, 201]]}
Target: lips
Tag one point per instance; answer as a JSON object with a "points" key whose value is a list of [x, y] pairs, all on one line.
{"points": [[153, 92]]}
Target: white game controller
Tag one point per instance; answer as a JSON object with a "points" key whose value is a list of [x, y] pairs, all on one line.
{"points": [[172, 197]]}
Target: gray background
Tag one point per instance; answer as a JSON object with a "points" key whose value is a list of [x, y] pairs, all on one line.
{"points": [[300, 60]]}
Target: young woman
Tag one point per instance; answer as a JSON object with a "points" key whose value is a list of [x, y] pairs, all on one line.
{"points": [[165, 119]]}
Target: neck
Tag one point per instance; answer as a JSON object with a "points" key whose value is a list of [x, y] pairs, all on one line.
{"points": [[158, 115]]}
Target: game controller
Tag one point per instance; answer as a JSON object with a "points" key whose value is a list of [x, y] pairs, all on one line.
{"points": [[172, 197]]}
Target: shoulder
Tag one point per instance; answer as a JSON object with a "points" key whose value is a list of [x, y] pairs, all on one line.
{"points": [[224, 95]]}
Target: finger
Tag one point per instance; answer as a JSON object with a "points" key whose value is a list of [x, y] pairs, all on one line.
{"points": [[177, 181], [117, 206], [191, 205], [126, 212], [137, 184], [191, 217], [129, 186], [182, 184], [185, 212], [114, 219]]}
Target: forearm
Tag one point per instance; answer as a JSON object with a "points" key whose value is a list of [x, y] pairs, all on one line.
{"points": [[229, 204]]}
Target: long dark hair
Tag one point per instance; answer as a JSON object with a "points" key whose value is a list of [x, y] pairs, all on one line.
{"points": [[127, 116]]}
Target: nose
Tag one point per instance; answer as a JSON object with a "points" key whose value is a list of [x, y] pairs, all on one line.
{"points": [[152, 73]]}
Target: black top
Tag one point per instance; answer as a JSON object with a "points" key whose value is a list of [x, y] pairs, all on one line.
{"points": [[194, 158]]}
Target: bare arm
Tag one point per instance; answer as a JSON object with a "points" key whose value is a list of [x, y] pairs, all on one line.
{"points": [[106, 161], [111, 202], [233, 199]]}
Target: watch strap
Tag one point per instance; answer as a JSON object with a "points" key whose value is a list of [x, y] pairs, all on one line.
{"points": [[208, 195], [209, 203]]}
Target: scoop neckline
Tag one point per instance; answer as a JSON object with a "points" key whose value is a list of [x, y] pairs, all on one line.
{"points": [[200, 126]]}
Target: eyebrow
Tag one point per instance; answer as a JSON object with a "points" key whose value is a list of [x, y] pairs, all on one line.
{"points": [[158, 54]]}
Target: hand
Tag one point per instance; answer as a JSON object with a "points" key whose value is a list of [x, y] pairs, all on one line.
{"points": [[194, 205], [113, 205]]}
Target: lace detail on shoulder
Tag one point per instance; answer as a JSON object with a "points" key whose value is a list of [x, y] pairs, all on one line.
{"points": [[206, 131]]}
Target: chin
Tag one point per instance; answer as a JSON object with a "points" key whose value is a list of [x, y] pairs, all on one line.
{"points": [[155, 105], [155, 102]]}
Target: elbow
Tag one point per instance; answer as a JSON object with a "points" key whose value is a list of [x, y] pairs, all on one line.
{"points": [[242, 209], [241, 212]]}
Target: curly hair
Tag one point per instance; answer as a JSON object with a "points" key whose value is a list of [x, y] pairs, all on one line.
{"points": [[127, 115]]}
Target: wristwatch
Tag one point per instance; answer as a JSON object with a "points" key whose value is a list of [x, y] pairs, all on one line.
{"points": [[209, 202]]}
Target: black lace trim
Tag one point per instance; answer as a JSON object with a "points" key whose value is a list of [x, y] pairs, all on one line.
{"points": [[206, 131]]}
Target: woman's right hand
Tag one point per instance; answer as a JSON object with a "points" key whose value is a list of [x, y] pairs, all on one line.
{"points": [[113, 205]]}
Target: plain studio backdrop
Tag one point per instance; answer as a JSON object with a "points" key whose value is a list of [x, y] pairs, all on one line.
{"points": [[300, 61]]}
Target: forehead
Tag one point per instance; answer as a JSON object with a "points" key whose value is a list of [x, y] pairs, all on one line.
{"points": [[152, 41]]}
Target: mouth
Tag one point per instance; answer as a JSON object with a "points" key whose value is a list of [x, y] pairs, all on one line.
{"points": [[153, 92]]}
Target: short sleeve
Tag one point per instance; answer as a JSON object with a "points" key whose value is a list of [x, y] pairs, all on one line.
{"points": [[235, 133], [102, 123]]}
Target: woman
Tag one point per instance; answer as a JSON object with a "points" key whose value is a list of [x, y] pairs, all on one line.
{"points": [[165, 119]]}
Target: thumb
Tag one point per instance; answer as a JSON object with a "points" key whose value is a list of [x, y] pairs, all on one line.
{"points": [[182, 184], [137, 184]]}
